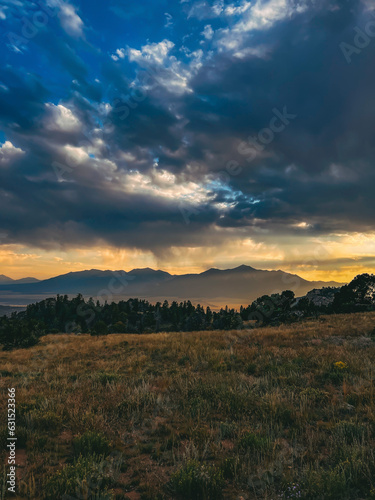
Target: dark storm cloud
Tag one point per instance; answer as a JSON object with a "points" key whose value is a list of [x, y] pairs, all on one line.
{"points": [[68, 214], [22, 99], [317, 169], [329, 145]]}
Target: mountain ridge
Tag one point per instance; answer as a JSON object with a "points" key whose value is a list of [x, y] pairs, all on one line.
{"points": [[6, 280], [214, 287]]}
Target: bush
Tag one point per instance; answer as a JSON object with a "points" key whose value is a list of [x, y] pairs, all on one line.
{"points": [[351, 431], [253, 442], [348, 479], [284, 416], [19, 336], [107, 377], [100, 329], [228, 430], [91, 443], [87, 477], [196, 481], [251, 369], [228, 468], [335, 374], [46, 420], [313, 395], [326, 484], [119, 327]]}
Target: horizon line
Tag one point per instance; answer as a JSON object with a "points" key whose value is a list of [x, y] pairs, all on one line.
{"points": [[171, 274]]}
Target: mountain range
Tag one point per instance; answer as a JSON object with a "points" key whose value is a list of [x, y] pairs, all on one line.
{"points": [[5, 280], [214, 287]]}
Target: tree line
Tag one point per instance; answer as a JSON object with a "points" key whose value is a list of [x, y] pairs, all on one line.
{"points": [[77, 315]]}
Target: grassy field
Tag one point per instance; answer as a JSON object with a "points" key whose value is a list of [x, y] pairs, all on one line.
{"points": [[284, 412]]}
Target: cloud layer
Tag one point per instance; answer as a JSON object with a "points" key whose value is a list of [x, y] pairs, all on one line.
{"points": [[221, 122]]}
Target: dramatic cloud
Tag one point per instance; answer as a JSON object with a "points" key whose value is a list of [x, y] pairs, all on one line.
{"points": [[70, 20], [186, 126], [8, 153], [60, 118]]}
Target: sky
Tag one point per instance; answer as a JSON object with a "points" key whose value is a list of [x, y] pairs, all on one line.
{"points": [[185, 135]]}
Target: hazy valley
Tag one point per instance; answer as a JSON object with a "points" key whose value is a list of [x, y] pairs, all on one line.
{"points": [[214, 288]]}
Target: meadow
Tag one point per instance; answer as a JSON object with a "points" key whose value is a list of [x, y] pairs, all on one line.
{"points": [[267, 413]]}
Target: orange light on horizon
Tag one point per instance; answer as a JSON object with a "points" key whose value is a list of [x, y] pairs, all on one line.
{"points": [[344, 257]]}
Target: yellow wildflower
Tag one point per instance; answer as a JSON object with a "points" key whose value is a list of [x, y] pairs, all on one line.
{"points": [[340, 365]]}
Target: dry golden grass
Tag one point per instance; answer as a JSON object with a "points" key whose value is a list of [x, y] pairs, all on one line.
{"points": [[238, 413]]}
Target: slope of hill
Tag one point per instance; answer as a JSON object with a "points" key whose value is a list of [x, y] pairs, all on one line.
{"points": [[240, 285], [8, 310], [214, 287], [295, 401], [26, 280], [6, 280]]}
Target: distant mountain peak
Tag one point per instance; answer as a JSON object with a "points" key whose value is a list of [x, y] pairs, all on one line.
{"points": [[4, 278], [243, 268], [211, 270], [147, 270]]}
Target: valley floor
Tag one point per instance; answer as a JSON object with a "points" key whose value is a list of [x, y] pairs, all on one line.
{"points": [[284, 412]]}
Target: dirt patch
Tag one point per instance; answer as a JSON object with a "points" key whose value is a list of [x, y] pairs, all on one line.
{"points": [[21, 463], [21, 458], [66, 436], [227, 444], [133, 495]]}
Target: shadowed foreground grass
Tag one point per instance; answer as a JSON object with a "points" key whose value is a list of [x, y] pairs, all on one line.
{"points": [[284, 412]]}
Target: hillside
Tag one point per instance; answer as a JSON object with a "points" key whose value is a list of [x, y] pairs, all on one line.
{"points": [[214, 287], [5, 280], [7, 310], [77, 315], [263, 413]]}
